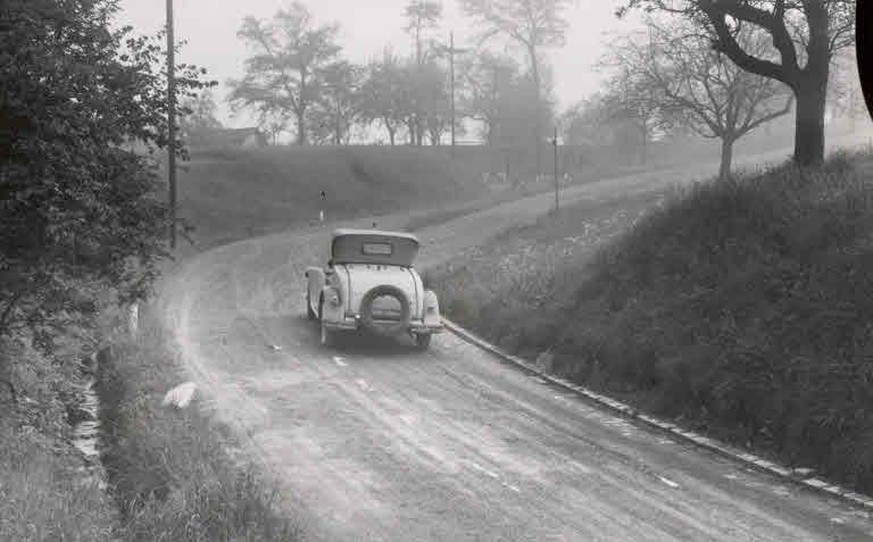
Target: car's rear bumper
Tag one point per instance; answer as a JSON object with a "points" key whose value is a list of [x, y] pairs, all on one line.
{"points": [[353, 323]]}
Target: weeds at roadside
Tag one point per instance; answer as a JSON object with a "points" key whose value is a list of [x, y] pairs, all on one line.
{"points": [[170, 469]]}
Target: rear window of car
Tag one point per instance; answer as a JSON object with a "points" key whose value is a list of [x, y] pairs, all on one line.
{"points": [[377, 249]]}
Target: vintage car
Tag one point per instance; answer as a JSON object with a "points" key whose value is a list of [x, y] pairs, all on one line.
{"points": [[369, 284]]}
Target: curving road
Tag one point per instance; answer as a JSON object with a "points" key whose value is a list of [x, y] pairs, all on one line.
{"points": [[374, 441]]}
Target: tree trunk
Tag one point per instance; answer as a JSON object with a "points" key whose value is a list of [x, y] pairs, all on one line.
{"points": [[390, 133], [809, 121], [811, 89], [727, 156]]}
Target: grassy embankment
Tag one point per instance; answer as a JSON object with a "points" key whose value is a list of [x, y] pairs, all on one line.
{"points": [[229, 194], [740, 308]]}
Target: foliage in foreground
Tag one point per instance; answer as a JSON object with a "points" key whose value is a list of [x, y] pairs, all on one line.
{"points": [[79, 212], [742, 307], [172, 471]]}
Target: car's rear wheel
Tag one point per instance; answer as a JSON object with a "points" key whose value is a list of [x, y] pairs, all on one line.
{"points": [[422, 341]]}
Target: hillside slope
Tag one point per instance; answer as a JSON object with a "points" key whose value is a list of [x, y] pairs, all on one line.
{"points": [[743, 308], [225, 193]]}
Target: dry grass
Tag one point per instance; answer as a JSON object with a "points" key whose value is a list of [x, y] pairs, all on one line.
{"points": [[741, 308]]}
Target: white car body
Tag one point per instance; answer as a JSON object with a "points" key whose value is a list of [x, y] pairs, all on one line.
{"points": [[370, 284]]}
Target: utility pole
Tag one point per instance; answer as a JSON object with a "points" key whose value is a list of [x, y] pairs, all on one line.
{"points": [[451, 51], [171, 121]]}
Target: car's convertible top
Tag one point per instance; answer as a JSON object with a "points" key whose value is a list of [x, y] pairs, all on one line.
{"points": [[373, 246]]}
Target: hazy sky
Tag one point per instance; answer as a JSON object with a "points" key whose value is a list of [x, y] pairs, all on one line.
{"points": [[366, 27]]}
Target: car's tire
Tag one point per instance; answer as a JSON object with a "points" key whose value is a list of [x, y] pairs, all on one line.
{"points": [[309, 312], [385, 290], [422, 341]]}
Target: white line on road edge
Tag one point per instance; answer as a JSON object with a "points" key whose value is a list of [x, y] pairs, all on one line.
{"points": [[750, 460]]}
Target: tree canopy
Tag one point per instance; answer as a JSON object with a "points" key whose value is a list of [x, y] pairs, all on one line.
{"points": [[284, 76], [81, 212]]}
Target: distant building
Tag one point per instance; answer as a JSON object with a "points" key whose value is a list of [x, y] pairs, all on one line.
{"points": [[229, 137]]}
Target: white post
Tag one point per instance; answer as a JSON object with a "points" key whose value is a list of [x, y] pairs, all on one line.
{"points": [[133, 319]]}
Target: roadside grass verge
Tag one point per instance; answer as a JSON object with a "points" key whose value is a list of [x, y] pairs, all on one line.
{"points": [[172, 471], [741, 308]]}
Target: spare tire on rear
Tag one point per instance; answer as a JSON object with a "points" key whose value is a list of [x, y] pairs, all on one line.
{"points": [[383, 326]]}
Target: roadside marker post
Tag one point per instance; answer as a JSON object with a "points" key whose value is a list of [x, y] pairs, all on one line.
{"points": [[323, 198]]}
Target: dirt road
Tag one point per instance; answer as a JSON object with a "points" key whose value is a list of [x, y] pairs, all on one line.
{"points": [[374, 441]]}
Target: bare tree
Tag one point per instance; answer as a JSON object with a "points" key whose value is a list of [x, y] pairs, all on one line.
{"points": [[805, 35], [630, 101], [700, 88], [533, 24], [284, 75]]}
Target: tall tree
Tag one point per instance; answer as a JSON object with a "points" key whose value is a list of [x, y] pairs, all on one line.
{"points": [[339, 103], [421, 16], [700, 88], [501, 98], [80, 215], [432, 80], [532, 24], [284, 76], [805, 35], [382, 94]]}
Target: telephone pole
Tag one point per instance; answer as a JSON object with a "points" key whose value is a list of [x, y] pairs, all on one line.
{"points": [[171, 122], [451, 51]]}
